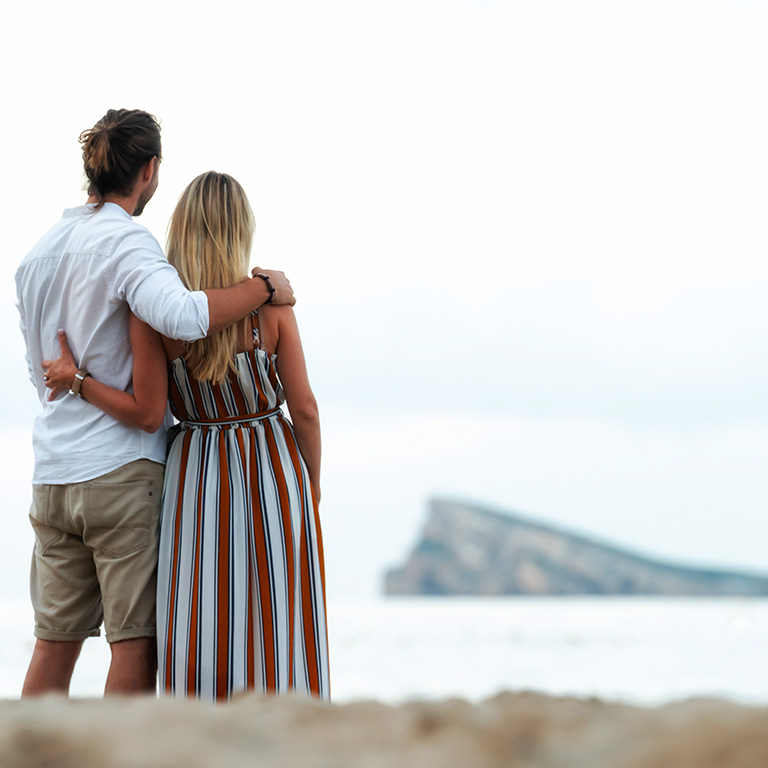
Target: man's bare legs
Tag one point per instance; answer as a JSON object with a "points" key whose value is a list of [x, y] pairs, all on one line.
{"points": [[134, 666], [50, 670]]}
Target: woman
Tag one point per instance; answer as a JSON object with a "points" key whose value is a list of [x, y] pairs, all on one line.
{"points": [[241, 594]]}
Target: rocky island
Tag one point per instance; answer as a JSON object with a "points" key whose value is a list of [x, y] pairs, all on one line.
{"points": [[468, 550]]}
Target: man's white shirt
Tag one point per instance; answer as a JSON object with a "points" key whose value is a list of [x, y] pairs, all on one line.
{"points": [[85, 276]]}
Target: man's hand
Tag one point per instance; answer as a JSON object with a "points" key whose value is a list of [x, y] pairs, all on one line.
{"points": [[281, 284], [60, 373]]}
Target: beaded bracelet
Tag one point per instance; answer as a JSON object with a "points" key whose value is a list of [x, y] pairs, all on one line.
{"points": [[270, 287]]}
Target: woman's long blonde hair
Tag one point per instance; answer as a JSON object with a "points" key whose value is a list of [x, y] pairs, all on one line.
{"points": [[209, 243]]}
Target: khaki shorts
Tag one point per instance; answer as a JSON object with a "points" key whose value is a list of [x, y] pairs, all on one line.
{"points": [[95, 554]]}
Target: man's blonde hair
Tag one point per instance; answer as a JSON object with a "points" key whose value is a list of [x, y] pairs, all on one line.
{"points": [[209, 243]]}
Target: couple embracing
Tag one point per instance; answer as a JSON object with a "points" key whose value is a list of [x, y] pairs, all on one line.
{"points": [[199, 547]]}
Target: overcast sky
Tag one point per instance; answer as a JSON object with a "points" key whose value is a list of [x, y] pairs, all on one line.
{"points": [[527, 238]]}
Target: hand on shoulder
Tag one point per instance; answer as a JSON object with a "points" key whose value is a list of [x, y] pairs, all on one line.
{"points": [[283, 293]]}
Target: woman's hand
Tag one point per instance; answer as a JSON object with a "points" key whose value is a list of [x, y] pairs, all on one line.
{"points": [[60, 373]]}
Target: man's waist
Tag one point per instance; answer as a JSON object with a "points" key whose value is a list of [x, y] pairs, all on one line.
{"points": [[64, 456]]}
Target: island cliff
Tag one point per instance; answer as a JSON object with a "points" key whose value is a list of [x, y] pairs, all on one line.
{"points": [[467, 550]]}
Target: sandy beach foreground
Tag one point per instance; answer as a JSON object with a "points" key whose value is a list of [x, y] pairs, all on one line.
{"points": [[510, 729]]}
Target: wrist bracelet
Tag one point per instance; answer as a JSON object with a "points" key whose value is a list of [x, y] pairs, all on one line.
{"points": [[78, 382], [270, 287]]}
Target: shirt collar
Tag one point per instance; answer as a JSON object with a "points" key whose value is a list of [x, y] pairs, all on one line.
{"points": [[81, 210]]}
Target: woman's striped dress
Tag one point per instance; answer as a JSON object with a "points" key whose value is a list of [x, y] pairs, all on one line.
{"points": [[241, 592]]}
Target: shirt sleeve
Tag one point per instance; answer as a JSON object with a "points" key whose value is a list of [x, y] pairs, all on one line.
{"points": [[140, 275]]}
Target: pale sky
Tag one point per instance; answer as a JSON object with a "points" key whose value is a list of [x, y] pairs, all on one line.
{"points": [[527, 238]]}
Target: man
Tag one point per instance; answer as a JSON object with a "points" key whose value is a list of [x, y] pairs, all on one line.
{"points": [[97, 483]]}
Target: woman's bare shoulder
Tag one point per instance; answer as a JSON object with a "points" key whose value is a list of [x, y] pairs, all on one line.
{"points": [[275, 311], [276, 316], [277, 322]]}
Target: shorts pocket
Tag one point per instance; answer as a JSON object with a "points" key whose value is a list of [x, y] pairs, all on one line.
{"points": [[121, 518], [41, 496], [45, 534]]}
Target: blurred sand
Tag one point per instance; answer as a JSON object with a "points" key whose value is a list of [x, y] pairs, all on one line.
{"points": [[526, 730]]}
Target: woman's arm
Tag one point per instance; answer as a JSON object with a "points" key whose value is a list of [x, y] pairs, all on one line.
{"points": [[145, 408], [292, 369]]}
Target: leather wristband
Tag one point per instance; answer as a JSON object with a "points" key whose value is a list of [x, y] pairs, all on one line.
{"points": [[270, 287], [78, 382]]}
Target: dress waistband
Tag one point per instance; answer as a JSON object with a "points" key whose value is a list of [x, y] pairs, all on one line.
{"points": [[231, 421]]}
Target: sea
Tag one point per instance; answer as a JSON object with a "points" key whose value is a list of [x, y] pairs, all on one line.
{"points": [[641, 650]]}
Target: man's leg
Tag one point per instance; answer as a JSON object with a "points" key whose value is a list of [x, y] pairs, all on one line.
{"points": [[64, 590], [123, 516], [50, 670], [134, 666]]}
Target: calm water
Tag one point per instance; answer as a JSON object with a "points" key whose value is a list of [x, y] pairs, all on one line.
{"points": [[644, 650]]}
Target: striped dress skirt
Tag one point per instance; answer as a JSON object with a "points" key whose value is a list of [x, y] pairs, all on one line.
{"points": [[241, 585]]}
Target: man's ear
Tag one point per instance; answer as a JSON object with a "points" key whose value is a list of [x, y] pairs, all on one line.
{"points": [[149, 169]]}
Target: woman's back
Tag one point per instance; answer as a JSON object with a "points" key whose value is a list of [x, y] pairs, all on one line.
{"points": [[253, 388]]}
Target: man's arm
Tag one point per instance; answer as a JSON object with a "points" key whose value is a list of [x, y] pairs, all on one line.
{"points": [[140, 275], [228, 305]]}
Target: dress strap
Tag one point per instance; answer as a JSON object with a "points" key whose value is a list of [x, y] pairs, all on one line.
{"points": [[256, 328]]}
